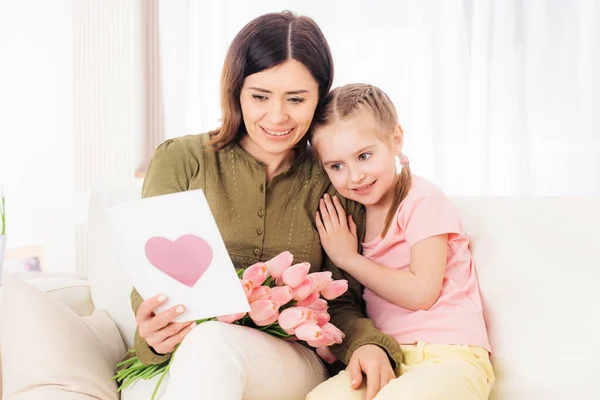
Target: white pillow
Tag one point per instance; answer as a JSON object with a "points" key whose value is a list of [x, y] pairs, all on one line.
{"points": [[51, 353], [109, 283]]}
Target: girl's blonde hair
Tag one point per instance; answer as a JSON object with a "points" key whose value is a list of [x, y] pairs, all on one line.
{"points": [[347, 101]]}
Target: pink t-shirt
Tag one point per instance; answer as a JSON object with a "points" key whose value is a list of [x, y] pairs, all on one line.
{"points": [[457, 316]]}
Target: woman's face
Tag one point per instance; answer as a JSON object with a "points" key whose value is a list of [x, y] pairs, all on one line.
{"points": [[278, 105]]}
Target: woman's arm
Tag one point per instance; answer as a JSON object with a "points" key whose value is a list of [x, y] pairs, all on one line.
{"points": [[347, 314]]}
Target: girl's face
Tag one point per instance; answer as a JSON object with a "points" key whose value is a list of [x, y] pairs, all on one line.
{"points": [[359, 164], [278, 105]]}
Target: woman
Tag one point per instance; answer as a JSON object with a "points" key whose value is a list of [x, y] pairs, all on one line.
{"points": [[263, 188]]}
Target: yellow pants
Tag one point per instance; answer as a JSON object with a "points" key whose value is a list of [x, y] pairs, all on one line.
{"points": [[429, 372]]}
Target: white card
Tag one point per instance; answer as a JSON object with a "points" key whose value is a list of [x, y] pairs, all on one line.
{"points": [[171, 245]]}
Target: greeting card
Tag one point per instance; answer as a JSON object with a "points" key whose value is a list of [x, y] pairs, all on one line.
{"points": [[171, 245]]}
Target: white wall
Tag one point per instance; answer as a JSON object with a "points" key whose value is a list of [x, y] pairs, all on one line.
{"points": [[36, 134]]}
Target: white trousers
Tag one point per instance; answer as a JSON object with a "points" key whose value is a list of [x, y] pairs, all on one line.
{"points": [[232, 362]]}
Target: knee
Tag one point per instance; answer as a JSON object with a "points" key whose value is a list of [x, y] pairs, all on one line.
{"points": [[386, 393], [209, 336], [337, 387]]}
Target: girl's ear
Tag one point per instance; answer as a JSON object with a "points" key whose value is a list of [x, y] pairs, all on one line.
{"points": [[398, 139]]}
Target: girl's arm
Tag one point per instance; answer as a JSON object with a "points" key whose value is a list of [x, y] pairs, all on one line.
{"points": [[348, 315], [415, 289]]}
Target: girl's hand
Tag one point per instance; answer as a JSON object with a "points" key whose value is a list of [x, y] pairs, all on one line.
{"points": [[158, 331], [337, 232]]}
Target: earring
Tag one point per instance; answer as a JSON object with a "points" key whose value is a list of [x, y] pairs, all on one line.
{"points": [[398, 164]]}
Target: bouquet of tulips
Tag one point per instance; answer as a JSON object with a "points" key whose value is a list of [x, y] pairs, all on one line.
{"points": [[285, 301]]}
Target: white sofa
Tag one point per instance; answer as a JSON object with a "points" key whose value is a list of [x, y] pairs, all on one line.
{"points": [[538, 262]]}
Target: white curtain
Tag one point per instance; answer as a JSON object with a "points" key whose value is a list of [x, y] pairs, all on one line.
{"points": [[496, 97]]}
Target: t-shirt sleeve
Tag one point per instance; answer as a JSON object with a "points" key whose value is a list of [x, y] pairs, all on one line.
{"points": [[428, 215]]}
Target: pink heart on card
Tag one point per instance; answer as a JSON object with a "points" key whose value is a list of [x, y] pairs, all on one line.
{"points": [[184, 259]]}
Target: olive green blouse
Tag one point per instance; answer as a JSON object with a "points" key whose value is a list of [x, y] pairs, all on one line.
{"points": [[258, 220]]}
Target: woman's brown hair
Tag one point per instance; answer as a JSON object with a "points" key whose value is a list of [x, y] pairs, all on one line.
{"points": [[265, 42], [349, 100]]}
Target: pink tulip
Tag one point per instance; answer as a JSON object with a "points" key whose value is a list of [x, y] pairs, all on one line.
{"points": [[338, 335], [321, 279], [294, 275], [282, 294], [309, 300], [322, 318], [279, 263], [257, 273], [228, 319], [304, 290], [293, 316], [326, 339], [335, 289], [309, 331], [262, 310], [259, 293], [318, 306], [268, 321], [291, 331], [326, 354], [248, 286]]}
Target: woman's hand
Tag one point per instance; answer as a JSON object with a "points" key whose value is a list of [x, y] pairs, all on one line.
{"points": [[373, 361], [158, 331], [337, 232]]}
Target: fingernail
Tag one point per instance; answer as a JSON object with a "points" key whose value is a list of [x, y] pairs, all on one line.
{"points": [[162, 298], [179, 309]]}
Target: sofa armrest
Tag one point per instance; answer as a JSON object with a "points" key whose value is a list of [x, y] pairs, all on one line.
{"points": [[73, 290]]}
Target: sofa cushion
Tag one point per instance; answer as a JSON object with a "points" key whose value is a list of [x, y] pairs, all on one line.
{"points": [[50, 352], [75, 293], [537, 259]]}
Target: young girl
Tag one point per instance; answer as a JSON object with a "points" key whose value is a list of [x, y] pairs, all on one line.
{"points": [[416, 266]]}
